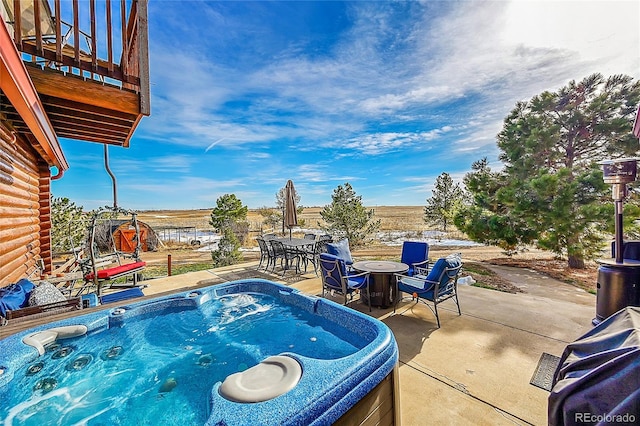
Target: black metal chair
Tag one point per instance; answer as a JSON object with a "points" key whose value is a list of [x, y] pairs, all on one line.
{"points": [[286, 256], [266, 253], [313, 254], [321, 245]]}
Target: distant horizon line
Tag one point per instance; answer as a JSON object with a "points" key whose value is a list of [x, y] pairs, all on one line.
{"points": [[272, 207]]}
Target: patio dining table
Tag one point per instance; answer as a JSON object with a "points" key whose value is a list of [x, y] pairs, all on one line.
{"points": [[298, 245], [295, 242]]}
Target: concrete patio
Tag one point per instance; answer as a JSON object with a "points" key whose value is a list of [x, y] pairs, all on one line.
{"points": [[476, 368]]}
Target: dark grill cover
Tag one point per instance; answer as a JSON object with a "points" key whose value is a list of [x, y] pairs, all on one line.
{"points": [[598, 378]]}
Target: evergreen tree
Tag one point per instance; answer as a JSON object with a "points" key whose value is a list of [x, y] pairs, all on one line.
{"points": [[446, 200], [551, 191], [229, 218], [68, 225], [227, 252], [346, 217]]}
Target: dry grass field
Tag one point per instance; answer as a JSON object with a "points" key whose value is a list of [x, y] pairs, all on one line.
{"points": [[168, 218], [407, 218], [393, 218]]}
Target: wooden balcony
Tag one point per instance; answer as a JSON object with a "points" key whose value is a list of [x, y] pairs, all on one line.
{"points": [[88, 61]]}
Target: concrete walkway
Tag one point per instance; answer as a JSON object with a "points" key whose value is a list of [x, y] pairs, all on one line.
{"points": [[476, 368]]}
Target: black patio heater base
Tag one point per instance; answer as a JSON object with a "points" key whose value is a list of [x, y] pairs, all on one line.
{"points": [[618, 286]]}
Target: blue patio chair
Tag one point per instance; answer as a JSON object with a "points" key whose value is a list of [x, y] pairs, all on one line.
{"points": [[441, 284], [416, 255], [335, 278], [341, 250]]}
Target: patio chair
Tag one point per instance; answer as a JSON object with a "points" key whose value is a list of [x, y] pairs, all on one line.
{"points": [[341, 249], [313, 254], [335, 278], [103, 260], [308, 252], [266, 253], [321, 244], [441, 284], [286, 256], [33, 300], [416, 255]]}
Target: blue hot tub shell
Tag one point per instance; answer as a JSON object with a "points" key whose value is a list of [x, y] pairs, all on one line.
{"points": [[327, 389]]}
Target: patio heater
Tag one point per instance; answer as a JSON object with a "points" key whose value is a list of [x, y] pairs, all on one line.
{"points": [[618, 283]]}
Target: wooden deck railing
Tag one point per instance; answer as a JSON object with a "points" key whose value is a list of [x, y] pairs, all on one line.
{"points": [[85, 37]]}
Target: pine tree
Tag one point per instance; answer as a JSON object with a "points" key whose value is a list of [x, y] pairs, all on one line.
{"points": [[229, 218], [68, 224], [446, 200], [551, 191], [346, 217]]}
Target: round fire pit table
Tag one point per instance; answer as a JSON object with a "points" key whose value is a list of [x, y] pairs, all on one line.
{"points": [[380, 282]]}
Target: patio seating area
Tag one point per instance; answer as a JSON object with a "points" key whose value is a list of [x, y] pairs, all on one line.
{"points": [[291, 254], [474, 369]]}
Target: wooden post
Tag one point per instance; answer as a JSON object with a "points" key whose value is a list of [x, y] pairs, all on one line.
{"points": [[169, 264]]}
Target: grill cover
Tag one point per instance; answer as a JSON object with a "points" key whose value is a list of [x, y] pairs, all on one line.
{"points": [[598, 378]]}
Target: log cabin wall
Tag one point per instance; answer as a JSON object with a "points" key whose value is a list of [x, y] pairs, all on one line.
{"points": [[23, 175]]}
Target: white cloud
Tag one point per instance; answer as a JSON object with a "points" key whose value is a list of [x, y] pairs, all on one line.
{"points": [[602, 32]]}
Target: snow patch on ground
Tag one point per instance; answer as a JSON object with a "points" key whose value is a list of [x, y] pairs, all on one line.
{"points": [[396, 238], [208, 240], [434, 238]]}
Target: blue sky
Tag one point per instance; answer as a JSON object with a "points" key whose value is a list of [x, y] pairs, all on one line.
{"points": [[383, 95]]}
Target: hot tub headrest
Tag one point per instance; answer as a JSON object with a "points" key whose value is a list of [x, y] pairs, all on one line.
{"points": [[273, 377]]}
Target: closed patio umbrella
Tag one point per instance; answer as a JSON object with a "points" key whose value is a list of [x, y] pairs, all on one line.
{"points": [[290, 214]]}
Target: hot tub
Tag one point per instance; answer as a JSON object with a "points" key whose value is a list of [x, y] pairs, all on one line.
{"points": [[246, 352]]}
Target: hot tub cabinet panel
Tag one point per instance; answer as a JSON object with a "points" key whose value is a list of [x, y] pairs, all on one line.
{"points": [[357, 389], [379, 407]]}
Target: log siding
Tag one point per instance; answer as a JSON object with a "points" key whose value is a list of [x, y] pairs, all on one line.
{"points": [[25, 193]]}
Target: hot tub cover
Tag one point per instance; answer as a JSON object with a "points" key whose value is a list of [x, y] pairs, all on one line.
{"points": [[598, 378]]}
